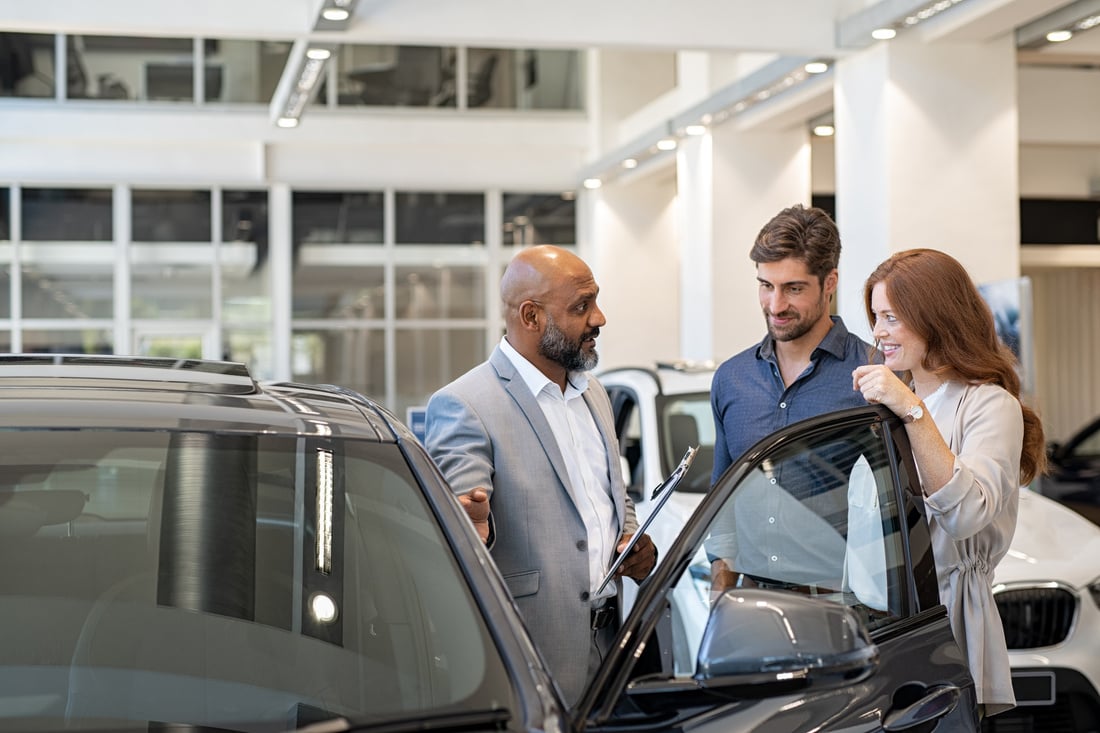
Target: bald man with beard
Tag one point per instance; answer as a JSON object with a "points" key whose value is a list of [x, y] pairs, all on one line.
{"points": [[527, 442]]}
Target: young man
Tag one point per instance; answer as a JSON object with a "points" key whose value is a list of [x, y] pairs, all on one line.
{"points": [[531, 436], [803, 365]]}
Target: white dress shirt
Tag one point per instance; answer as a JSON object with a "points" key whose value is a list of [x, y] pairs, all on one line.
{"points": [[582, 448]]}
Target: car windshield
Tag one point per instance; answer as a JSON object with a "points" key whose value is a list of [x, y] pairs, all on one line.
{"points": [[685, 420], [246, 582]]}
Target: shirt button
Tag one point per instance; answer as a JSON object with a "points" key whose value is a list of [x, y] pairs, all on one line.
{"points": [[783, 405], [582, 545], [773, 481], [771, 520], [775, 558]]}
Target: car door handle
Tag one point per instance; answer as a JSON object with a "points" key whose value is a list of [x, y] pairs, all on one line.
{"points": [[937, 702]]}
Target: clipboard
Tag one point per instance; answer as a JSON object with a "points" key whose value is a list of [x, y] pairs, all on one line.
{"points": [[660, 495]]}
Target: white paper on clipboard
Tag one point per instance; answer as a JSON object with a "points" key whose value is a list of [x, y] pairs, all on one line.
{"points": [[660, 495]]}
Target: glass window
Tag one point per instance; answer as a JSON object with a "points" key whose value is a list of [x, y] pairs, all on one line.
{"points": [[251, 347], [67, 280], [818, 515], [5, 215], [177, 285], [395, 76], [351, 357], [429, 358], [523, 79], [321, 217], [85, 341], [27, 65], [187, 561], [246, 283], [539, 218], [328, 289], [240, 71], [443, 291], [136, 67], [67, 214], [687, 421], [170, 216], [440, 218]]}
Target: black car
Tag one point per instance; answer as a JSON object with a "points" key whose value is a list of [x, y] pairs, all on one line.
{"points": [[181, 546], [1074, 476]]}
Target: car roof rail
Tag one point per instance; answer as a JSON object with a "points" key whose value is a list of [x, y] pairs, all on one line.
{"points": [[688, 365], [204, 374]]}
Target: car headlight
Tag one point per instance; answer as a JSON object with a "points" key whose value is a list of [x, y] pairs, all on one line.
{"points": [[1094, 591]]}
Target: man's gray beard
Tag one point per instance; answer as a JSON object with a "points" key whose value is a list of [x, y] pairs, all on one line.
{"points": [[556, 347]]}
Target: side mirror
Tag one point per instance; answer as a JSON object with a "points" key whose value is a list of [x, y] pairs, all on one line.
{"points": [[770, 639]]}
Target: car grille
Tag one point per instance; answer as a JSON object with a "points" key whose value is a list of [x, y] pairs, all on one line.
{"points": [[1036, 617]]}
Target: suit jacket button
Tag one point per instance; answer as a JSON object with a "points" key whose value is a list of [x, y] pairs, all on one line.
{"points": [[582, 545], [584, 596]]}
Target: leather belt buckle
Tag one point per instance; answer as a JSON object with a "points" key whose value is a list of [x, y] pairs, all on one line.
{"points": [[602, 617]]}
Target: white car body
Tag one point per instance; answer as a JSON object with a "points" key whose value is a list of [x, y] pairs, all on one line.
{"points": [[1049, 581]]}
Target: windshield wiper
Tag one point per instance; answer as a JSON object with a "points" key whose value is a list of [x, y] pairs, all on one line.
{"points": [[471, 720]]}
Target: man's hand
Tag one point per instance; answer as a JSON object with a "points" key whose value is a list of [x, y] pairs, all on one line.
{"points": [[642, 558], [476, 504], [722, 578]]}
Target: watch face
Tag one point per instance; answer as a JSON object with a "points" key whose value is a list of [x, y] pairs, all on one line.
{"points": [[916, 412]]}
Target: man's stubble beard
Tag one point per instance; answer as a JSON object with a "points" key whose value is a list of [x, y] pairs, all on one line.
{"points": [[557, 347]]}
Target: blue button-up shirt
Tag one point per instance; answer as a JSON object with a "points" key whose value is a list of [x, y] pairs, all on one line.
{"points": [[749, 400]]}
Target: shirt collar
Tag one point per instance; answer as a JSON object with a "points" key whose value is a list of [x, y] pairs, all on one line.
{"points": [[535, 380], [834, 342]]}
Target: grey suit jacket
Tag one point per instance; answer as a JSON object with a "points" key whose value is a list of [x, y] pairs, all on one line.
{"points": [[486, 429]]}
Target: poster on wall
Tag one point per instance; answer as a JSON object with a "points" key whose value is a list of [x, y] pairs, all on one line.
{"points": [[1010, 301]]}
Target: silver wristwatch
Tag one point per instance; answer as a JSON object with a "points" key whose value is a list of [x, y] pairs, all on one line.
{"points": [[914, 413]]}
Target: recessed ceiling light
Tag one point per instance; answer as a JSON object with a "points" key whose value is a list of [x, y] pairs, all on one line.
{"points": [[287, 122], [695, 130], [883, 34], [816, 67], [824, 130], [1059, 36], [336, 14], [592, 183], [630, 163], [666, 144], [319, 54]]}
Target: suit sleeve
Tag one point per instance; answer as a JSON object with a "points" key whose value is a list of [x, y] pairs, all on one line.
{"points": [[459, 443]]}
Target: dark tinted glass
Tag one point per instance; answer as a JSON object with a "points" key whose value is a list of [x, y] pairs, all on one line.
{"points": [[26, 65], [5, 215], [244, 216], [67, 214], [171, 216], [236, 581], [321, 216], [534, 218], [1053, 221], [440, 218]]}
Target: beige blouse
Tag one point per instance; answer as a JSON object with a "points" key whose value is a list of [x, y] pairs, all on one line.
{"points": [[972, 520]]}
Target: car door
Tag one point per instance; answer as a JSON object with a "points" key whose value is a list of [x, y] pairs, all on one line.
{"points": [[828, 509]]}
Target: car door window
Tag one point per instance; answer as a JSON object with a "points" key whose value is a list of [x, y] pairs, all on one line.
{"points": [[817, 516]]}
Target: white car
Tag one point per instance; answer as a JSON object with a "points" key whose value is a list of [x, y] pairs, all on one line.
{"points": [[1047, 589]]}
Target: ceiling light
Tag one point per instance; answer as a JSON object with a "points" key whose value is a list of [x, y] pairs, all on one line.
{"points": [[287, 122], [592, 183], [666, 144], [824, 130], [695, 130], [319, 54], [816, 67], [1059, 36], [335, 14], [883, 34], [630, 163]]}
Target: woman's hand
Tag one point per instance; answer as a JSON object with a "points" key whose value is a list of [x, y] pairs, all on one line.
{"points": [[881, 386]]}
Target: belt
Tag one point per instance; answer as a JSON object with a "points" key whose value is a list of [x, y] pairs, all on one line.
{"points": [[809, 590], [603, 616]]}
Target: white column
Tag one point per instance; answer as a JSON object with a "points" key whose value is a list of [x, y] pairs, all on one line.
{"points": [[695, 217], [756, 175], [926, 156], [281, 256]]}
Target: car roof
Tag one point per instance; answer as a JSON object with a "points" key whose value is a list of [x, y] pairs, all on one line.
{"points": [[73, 391], [670, 378]]}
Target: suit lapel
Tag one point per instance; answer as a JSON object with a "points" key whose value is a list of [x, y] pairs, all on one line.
{"points": [[529, 406]]}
